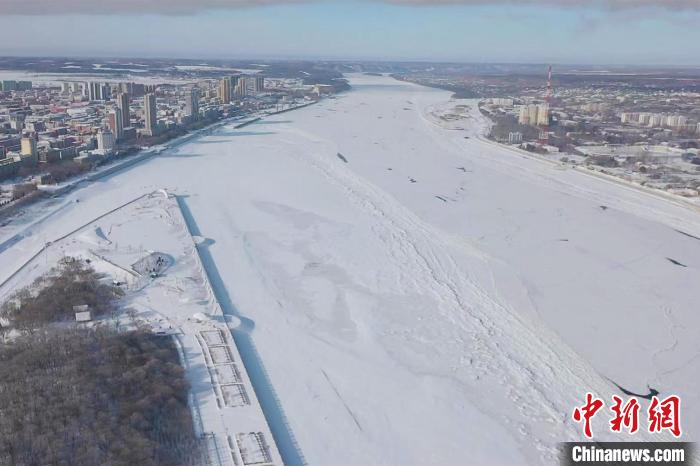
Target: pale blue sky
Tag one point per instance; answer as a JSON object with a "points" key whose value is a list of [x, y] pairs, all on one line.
{"points": [[371, 30]]}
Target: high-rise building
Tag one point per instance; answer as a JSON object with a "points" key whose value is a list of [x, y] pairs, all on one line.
{"points": [[105, 141], [528, 115], [192, 103], [99, 91], [524, 116], [133, 89], [225, 90], [115, 123], [532, 110], [8, 85], [106, 92], [95, 91], [534, 115], [255, 84], [240, 89], [17, 121], [234, 82], [123, 105], [149, 114], [28, 147], [12, 85], [543, 115]]}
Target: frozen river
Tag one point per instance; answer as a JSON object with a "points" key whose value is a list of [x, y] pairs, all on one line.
{"points": [[418, 297]]}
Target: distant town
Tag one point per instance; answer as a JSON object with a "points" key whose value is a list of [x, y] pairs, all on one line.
{"points": [[56, 128], [640, 125]]}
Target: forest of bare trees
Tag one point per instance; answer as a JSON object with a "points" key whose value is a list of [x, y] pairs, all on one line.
{"points": [[86, 396], [505, 124], [51, 297], [76, 394]]}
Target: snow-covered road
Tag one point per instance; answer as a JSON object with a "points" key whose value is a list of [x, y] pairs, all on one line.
{"points": [[418, 297]]}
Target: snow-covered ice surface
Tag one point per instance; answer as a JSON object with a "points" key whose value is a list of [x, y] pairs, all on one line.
{"points": [[417, 297]]}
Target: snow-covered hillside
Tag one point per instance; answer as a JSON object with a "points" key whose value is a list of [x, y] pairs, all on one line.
{"points": [[418, 297]]}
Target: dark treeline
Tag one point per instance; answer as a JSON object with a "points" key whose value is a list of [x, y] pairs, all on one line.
{"points": [[59, 170], [77, 394], [52, 296], [94, 396], [505, 124]]}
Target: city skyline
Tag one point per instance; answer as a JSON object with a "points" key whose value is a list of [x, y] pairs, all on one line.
{"points": [[539, 32]]}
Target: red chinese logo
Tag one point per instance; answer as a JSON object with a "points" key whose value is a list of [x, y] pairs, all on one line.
{"points": [[662, 414], [627, 415], [586, 412], [665, 415]]}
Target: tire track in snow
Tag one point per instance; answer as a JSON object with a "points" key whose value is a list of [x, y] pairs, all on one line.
{"points": [[342, 400]]}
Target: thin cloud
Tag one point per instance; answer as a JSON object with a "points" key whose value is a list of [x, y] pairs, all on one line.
{"points": [[132, 7], [597, 4], [184, 7]]}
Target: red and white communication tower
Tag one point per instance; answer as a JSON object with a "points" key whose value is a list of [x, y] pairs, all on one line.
{"points": [[543, 122]]}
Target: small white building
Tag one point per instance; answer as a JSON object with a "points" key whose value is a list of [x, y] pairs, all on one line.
{"points": [[515, 137], [82, 313]]}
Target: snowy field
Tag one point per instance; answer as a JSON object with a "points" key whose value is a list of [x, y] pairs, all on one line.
{"points": [[418, 297]]}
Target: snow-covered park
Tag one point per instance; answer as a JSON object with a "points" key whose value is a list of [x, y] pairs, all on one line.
{"points": [[145, 247], [411, 293]]}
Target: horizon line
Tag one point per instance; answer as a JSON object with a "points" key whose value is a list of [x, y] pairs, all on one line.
{"points": [[263, 58]]}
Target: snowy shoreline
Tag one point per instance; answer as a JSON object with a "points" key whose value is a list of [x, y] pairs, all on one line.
{"points": [[142, 155], [415, 328], [689, 203]]}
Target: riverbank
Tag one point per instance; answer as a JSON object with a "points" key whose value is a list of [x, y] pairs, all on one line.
{"points": [[625, 177], [466, 278], [45, 191]]}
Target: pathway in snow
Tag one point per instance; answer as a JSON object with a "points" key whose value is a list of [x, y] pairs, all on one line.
{"points": [[245, 344]]}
